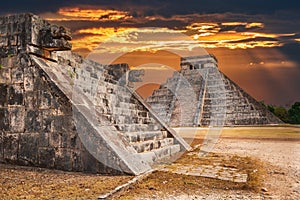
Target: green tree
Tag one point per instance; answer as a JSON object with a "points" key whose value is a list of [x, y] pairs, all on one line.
{"points": [[281, 113], [271, 108], [294, 113]]}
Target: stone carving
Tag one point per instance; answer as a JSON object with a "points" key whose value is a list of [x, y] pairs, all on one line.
{"points": [[54, 38]]}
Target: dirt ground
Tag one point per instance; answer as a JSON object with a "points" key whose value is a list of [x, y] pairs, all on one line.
{"points": [[282, 153], [277, 147], [271, 153]]}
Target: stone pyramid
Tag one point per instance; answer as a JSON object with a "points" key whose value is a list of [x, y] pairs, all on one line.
{"points": [[58, 110], [201, 95]]}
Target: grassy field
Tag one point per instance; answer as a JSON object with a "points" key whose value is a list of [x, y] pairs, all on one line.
{"points": [[264, 132]]}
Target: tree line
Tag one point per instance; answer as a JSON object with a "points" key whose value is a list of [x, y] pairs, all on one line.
{"points": [[288, 115]]}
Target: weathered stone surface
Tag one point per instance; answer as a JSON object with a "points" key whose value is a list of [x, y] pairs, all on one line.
{"points": [[17, 75], [5, 75], [4, 94], [53, 37], [209, 171], [4, 119], [10, 147], [17, 119], [1, 146], [46, 157], [33, 121], [28, 148], [16, 95], [61, 111], [201, 95]]}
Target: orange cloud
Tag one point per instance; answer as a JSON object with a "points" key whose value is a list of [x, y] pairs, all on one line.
{"points": [[254, 24], [107, 32], [234, 40], [202, 34], [234, 23], [75, 13], [204, 27], [95, 36]]}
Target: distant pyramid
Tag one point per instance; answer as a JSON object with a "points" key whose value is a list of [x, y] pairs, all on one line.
{"points": [[200, 95]]}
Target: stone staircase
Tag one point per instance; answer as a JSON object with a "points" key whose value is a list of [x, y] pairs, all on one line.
{"points": [[187, 94], [217, 100], [135, 122], [225, 103], [162, 100], [177, 98], [139, 134], [214, 107]]}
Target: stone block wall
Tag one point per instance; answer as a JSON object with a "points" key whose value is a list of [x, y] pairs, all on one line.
{"points": [[58, 110], [13, 37]]}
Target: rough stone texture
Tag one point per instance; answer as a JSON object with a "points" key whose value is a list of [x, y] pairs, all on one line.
{"points": [[58, 110], [207, 98], [209, 171]]}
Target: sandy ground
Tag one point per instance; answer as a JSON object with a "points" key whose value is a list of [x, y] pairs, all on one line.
{"points": [[279, 147], [283, 181]]}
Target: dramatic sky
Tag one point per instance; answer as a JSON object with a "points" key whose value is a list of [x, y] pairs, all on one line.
{"points": [[257, 42]]}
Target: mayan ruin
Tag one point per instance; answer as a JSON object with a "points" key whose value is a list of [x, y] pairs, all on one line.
{"points": [[213, 101], [38, 107], [41, 104], [75, 128]]}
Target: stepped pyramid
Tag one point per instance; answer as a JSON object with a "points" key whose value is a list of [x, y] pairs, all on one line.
{"points": [[58, 110], [201, 95]]}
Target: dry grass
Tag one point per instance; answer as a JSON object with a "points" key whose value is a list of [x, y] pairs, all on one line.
{"points": [[163, 183], [18, 182], [167, 183], [34, 183], [253, 167], [285, 133]]}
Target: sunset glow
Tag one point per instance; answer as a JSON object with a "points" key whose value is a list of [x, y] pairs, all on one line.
{"points": [[94, 36], [227, 34], [243, 43], [93, 14]]}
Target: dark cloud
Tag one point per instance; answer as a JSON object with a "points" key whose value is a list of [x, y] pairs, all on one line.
{"points": [[291, 51], [253, 39], [277, 16], [165, 8]]}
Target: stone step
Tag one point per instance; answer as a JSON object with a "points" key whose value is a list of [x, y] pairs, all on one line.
{"points": [[161, 110], [162, 153], [162, 95], [147, 135], [126, 105], [158, 100], [150, 145], [162, 92], [137, 127], [129, 112], [159, 105]]}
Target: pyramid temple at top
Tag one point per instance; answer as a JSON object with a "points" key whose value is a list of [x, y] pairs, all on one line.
{"points": [[201, 95]]}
